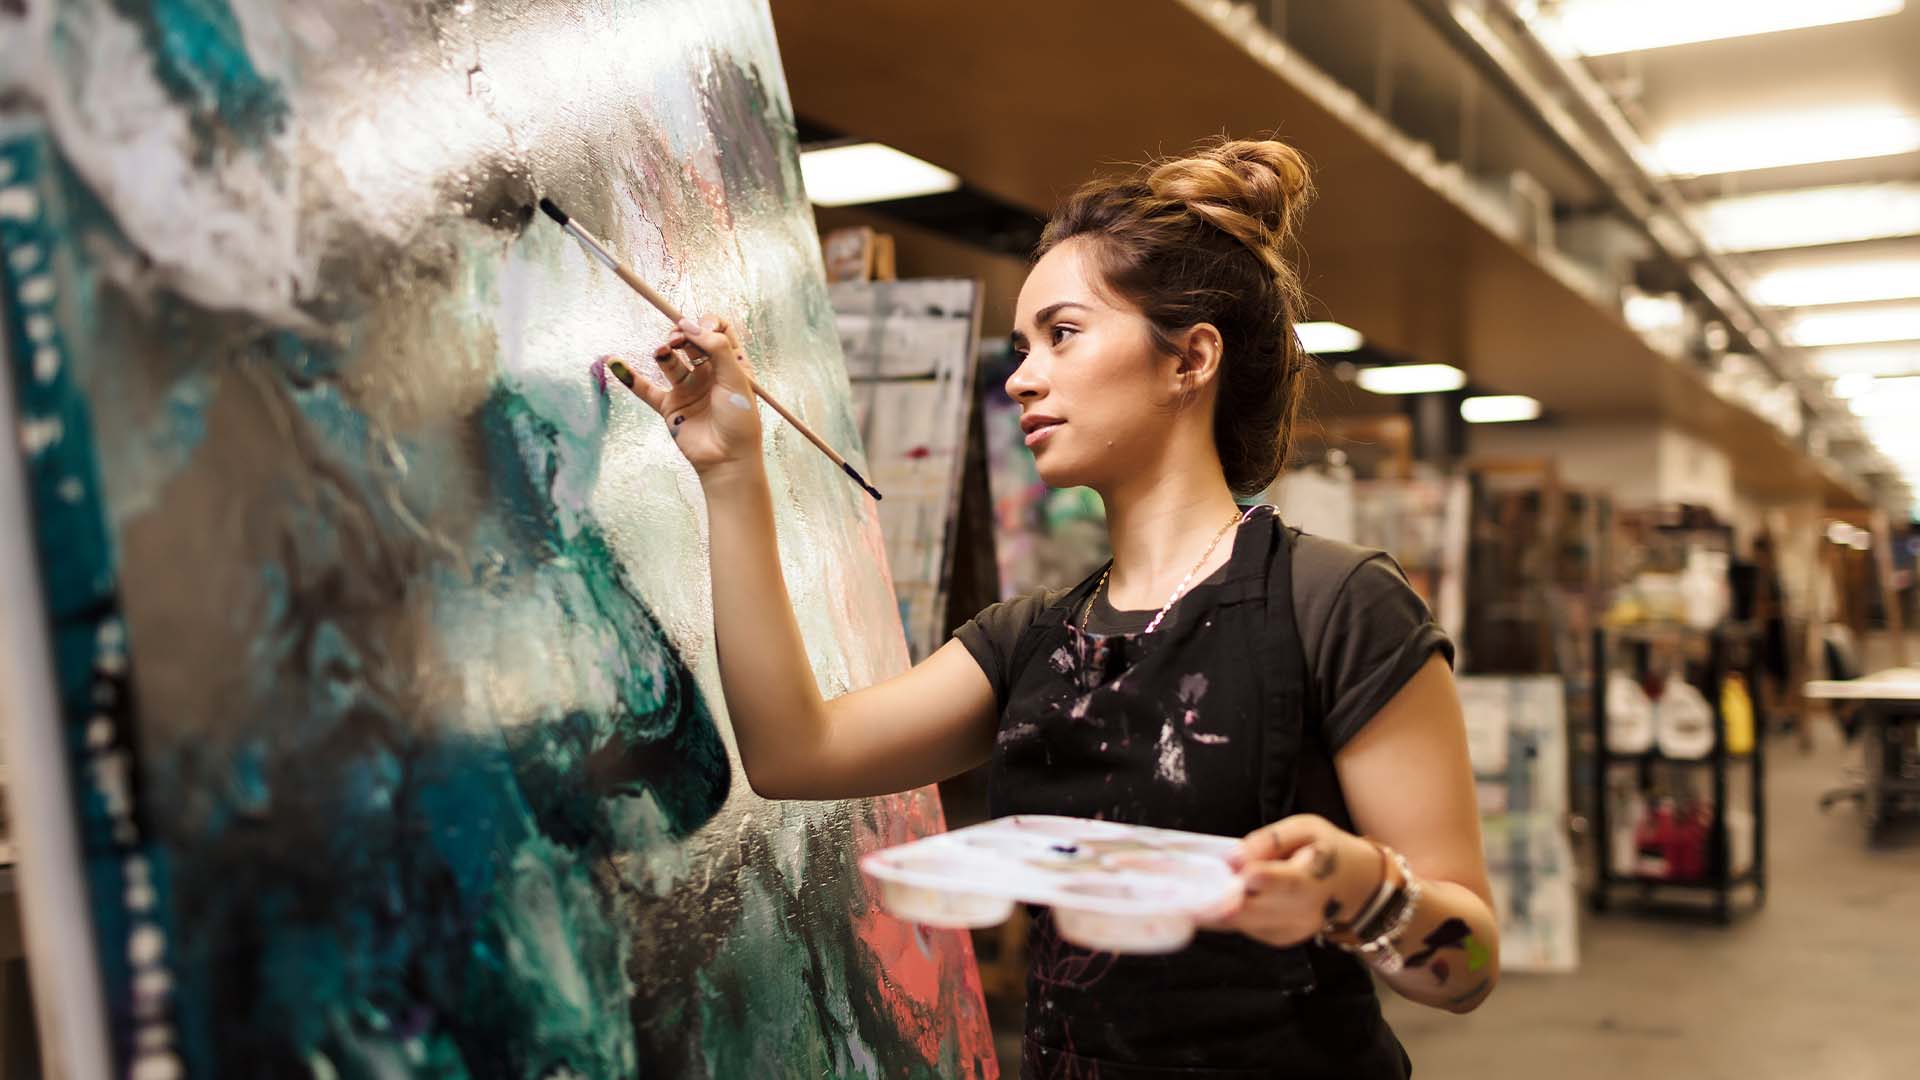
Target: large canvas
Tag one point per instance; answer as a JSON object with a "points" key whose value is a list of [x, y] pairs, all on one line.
{"points": [[380, 628]]}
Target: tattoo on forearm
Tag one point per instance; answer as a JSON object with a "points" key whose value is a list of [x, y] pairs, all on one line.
{"points": [[1332, 911], [1452, 934], [1325, 862], [1474, 994]]}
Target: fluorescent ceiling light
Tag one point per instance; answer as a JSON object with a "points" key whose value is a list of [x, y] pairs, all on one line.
{"points": [[1848, 387], [1840, 214], [869, 172], [1320, 338], [1771, 140], [1651, 313], [1412, 378], [1838, 283], [1499, 409], [1901, 323], [1867, 360], [1888, 398], [1601, 27]]}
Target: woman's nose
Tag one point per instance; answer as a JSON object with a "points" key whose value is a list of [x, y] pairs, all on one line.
{"points": [[1023, 384]]}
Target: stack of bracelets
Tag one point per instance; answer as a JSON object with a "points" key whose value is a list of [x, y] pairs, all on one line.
{"points": [[1383, 920]]}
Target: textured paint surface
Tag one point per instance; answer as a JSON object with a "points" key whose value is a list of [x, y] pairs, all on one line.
{"points": [[383, 632]]}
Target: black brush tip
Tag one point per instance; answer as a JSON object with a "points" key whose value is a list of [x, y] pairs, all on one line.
{"points": [[862, 481], [553, 211]]}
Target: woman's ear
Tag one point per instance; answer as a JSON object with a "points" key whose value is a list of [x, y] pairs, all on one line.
{"points": [[1200, 355]]}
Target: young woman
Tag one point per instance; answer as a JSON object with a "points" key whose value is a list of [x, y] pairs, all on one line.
{"points": [[1223, 674]]}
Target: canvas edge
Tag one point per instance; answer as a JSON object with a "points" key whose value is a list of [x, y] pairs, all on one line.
{"points": [[69, 1003]]}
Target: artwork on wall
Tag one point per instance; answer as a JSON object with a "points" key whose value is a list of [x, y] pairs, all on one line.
{"points": [[380, 630], [1046, 538], [1517, 738], [909, 348]]}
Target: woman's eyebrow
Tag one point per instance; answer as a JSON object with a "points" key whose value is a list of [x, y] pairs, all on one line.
{"points": [[1043, 316]]}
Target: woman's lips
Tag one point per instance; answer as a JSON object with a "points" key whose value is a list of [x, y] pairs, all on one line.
{"points": [[1039, 435]]}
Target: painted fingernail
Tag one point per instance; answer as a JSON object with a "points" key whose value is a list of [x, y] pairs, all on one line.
{"points": [[621, 372]]}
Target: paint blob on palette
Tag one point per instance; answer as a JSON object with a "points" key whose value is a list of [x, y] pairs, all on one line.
{"points": [[1113, 887]]}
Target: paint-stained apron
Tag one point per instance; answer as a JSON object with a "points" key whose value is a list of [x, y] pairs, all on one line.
{"points": [[1199, 726]]}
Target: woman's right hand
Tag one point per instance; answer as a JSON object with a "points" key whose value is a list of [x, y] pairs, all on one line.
{"points": [[707, 401]]}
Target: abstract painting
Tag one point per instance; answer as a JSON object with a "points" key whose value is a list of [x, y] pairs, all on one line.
{"points": [[380, 628], [909, 348], [1517, 739]]}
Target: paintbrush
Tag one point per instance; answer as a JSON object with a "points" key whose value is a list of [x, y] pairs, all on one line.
{"points": [[665, 307]]}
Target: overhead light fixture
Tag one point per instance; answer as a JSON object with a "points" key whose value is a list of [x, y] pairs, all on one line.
{"points": [[1838, 283], [869, 172], [1603, 27], [1499, 409], [1411, 378], [1848, 387], [1881, 360], [1855, 327], [1653, 312], [1772, 140], [1888, 398], [1841, 214], [1322, 338]]}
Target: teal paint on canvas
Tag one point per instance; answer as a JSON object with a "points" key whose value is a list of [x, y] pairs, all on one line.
{"points": [[382, 630]]}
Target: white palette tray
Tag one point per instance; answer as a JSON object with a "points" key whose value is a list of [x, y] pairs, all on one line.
{"points": [[1112, 887]]}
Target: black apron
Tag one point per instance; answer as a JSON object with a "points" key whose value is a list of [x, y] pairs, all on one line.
{"points": [[1198, 726]]}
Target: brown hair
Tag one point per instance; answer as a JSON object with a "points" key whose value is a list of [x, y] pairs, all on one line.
{"points": [[1206, 238]]}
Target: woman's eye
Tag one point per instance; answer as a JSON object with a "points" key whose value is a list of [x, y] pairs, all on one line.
{"points": [[1055, 333]]}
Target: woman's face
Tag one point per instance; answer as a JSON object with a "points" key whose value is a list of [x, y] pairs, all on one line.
{"points": [[1092, 387]]}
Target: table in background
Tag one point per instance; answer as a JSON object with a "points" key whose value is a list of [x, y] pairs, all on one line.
{"points": [[1889, 704]]}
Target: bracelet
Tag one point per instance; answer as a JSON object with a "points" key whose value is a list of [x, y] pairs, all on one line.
{"points": [[1376, 947], [1379, 952], [1380, 896]]}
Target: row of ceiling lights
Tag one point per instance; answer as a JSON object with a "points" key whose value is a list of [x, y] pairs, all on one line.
{"points": [[1873, 352], [872, 172]]}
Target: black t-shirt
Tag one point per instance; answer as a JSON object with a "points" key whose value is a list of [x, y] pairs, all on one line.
{"points": [[1364, 631]]}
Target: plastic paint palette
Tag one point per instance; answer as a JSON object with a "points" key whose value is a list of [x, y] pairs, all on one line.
{"points": [[1112, 887]]}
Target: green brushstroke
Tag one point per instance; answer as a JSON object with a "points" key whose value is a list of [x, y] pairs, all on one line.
{"points": [[200, 57]]}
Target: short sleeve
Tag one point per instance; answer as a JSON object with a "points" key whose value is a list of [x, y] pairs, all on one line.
{"points": [[991, 636], [1366, 632]]}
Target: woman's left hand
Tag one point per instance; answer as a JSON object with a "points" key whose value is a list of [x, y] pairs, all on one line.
{"points": [[1300, 874]]}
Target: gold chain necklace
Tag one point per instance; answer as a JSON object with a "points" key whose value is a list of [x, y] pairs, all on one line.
{"points": [[1178, 590]]}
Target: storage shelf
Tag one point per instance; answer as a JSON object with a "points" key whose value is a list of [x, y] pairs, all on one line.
{"points": [[1696, 885], [1617, 758], [1724, 643]]}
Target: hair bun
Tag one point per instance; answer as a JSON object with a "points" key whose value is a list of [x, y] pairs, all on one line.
{"points": [[1252, 189]]}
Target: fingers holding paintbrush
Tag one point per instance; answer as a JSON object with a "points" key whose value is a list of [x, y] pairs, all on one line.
{"points": [[705, 397], [713, 341]]}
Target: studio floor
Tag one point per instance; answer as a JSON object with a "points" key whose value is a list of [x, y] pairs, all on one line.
{"points": [[1823, 982]]}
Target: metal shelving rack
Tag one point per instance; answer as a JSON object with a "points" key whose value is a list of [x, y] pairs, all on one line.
{"points": [[1728, 648]]}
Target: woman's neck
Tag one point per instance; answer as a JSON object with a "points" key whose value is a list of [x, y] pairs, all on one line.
{"points": [[1158, 529]]}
